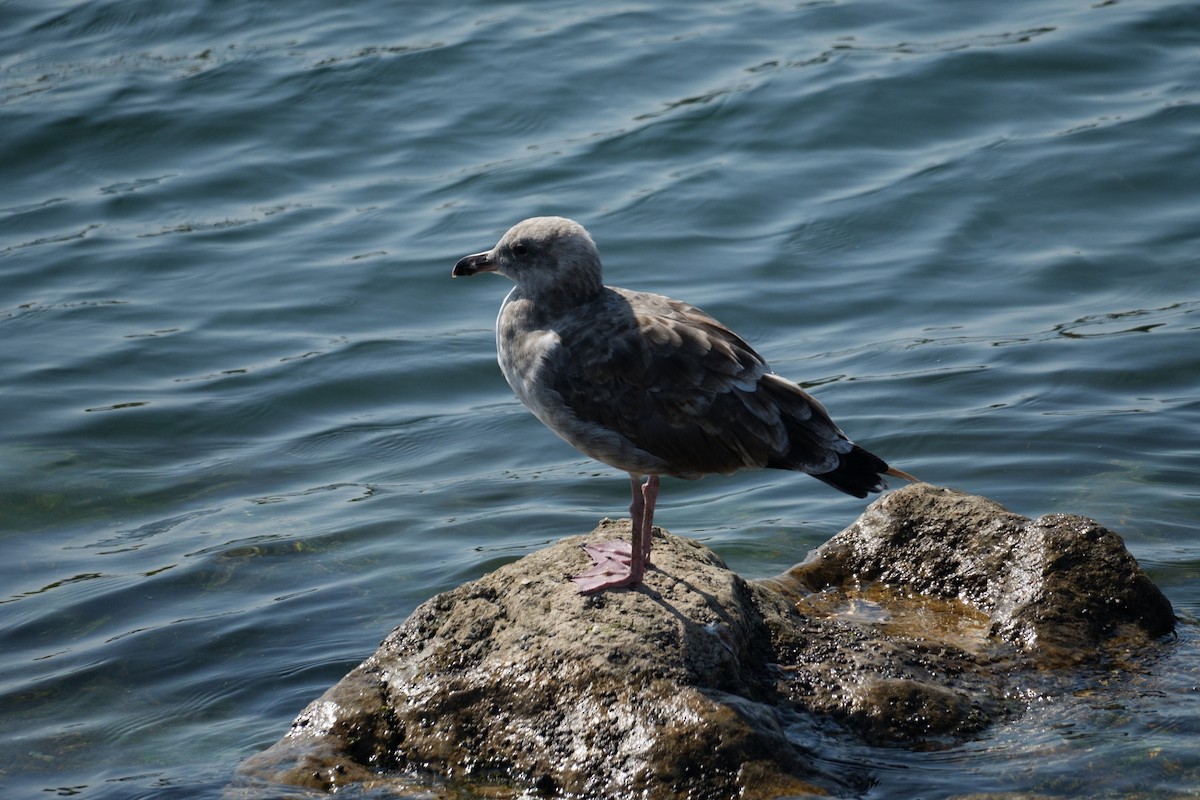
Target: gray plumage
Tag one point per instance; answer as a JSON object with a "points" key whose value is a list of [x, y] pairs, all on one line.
{"points": [[645, 383]]}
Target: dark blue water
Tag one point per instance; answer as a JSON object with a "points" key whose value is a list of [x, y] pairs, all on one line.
{"points": [[249, 423]]}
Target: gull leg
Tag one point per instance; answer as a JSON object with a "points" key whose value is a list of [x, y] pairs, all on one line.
{"points": [[616, 563], [640, 540], [649, 495]]}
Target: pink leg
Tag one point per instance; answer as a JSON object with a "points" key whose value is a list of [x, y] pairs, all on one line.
{"points": [[649, 495], [618, 564], [640, 539]]}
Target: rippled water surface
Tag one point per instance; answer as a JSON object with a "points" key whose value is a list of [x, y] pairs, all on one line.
{"points": [[250, 423]]}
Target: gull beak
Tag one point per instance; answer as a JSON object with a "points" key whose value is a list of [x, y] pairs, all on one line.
{"points": [[471, 265]]}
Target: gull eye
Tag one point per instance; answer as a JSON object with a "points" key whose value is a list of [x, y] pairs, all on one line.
{"points": [[520, 250]]}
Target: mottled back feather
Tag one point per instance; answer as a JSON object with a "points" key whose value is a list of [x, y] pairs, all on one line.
{"points": [[681, 386]]}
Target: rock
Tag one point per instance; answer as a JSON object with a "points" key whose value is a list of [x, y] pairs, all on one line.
{"points": [[1057, 586], [906, 629]]}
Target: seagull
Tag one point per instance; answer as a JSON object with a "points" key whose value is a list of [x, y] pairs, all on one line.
{"points": [[649, 385]]}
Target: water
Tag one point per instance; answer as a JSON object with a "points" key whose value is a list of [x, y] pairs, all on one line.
{"points": [[250, 422]]}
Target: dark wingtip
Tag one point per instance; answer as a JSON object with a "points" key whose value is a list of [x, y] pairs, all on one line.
{"points": [[859, 473]]}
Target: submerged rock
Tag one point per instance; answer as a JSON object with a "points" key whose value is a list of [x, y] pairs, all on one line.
{"points": [[906, 629]]}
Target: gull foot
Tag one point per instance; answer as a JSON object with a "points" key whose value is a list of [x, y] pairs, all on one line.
{"points": [[614, 548], [613, 568]]}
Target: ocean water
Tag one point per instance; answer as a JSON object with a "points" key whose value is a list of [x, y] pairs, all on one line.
{"points": [[249, 422]]}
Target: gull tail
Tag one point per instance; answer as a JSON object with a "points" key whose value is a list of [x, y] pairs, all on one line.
{"points": [[860, 472]]}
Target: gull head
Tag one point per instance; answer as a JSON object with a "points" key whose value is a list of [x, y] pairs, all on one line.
{"points": [[549, 258]]}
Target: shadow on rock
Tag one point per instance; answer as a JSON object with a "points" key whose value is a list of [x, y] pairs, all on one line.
{"points": [[911, 628]]}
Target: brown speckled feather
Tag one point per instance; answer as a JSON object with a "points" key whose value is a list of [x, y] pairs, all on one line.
{"points": [[679, 385], [647, 384]]}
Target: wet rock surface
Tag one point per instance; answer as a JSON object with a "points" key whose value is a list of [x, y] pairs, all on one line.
{"points": [[915, 627]]}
